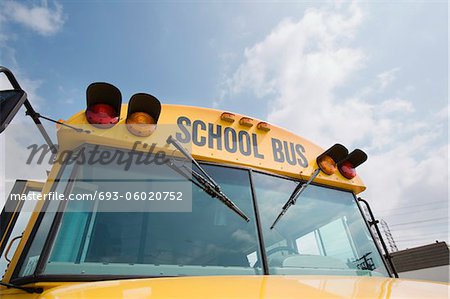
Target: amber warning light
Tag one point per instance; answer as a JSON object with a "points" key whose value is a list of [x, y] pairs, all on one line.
{"points": [[327, 161], [143, 114]]}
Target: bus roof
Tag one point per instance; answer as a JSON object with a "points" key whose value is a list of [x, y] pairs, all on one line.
{"points": [[221, 137]]}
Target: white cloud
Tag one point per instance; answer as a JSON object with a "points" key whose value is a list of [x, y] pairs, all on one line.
{"points": [[396, 105], [3, 37], [386, 78], [300, 65], [45, 19]]}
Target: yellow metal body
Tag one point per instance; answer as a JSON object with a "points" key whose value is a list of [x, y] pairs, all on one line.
{"points": [[262, 148], [263, 287]]}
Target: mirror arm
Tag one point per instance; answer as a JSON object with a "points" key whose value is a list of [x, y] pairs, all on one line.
{"points": [[35, 116], [30, 111]]}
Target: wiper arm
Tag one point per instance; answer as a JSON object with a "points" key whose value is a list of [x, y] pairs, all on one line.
{"points": [[327, 162], [214, 192], [294, 196], [30, 290], [205, 182]]}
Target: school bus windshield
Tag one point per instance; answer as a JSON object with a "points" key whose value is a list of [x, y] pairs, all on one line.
{"points": [[324, 233]]}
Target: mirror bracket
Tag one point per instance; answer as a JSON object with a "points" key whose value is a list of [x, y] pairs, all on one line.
{"points": [[29, 109]]}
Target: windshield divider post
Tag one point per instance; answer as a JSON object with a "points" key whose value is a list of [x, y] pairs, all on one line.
{"points": [[374, 222], [262, 245]]}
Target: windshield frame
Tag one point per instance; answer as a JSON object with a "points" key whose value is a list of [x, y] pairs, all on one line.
{"points": [[37, 275]]}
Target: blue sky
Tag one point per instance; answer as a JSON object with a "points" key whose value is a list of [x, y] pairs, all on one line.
{"points": [[368, 75]]}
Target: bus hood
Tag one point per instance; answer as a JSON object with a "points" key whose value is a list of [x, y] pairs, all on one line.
{"points": [[253, 287]]}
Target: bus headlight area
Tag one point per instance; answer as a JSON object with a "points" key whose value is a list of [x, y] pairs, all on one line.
{"points": [[228, 202]]}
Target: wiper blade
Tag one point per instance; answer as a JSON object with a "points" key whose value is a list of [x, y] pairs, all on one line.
{"points": [[205, 182], [216, 193], [294, 196], [30, 290]]}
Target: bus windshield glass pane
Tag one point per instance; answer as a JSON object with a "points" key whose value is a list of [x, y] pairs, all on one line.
{"points": [[323, 233], [210, 240]]}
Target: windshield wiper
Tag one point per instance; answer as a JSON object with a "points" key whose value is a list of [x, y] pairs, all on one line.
{"points": [[328, 162], [294, 196], [205, 182], [30, 290]]}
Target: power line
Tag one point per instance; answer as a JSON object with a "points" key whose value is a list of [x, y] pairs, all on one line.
{"points": [[420, 221], [439, 234], [426, 235], [412, 212], [422, 225], [417, 205], [421, 238], [433, 232]]}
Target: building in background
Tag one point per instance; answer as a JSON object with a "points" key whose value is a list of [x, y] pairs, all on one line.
{"points": [[428, 262]]}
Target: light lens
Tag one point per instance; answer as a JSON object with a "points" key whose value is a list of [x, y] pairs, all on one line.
{"points": [[347, 170], [102, 116], [246, 122], [327, 165], [228, 117], [141, 124], [263, 126]]}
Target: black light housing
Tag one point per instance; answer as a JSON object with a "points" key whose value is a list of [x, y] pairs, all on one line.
{"points": [[328, 160], [143, 102], [104, 102], [143, 114], [347, 166]]}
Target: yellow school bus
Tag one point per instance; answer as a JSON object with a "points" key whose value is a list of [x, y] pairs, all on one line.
{"points": [[204, 204]]}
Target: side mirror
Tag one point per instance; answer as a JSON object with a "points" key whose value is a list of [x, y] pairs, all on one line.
{"points": [[10, 100]]}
